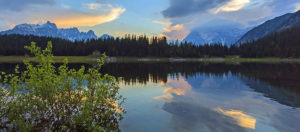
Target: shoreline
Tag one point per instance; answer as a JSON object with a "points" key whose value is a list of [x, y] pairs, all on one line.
{"points": [[93, 59]]}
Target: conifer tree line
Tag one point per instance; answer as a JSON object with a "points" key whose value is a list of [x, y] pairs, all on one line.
{"points": [[284, 44]]}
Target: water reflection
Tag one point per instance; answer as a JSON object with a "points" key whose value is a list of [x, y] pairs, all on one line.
{"points": [[207, 97], [178, 87], [241, 118], [191, 117], [224, 103]]}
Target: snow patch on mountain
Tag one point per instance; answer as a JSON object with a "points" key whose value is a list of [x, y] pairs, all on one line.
{"points": [[50, 30], [217, 31]]}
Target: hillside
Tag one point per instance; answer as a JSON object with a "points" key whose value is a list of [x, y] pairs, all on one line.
{"points": [[280, 44], [275, 25]]}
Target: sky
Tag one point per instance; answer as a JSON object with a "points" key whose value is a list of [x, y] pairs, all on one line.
{"points": [[171, 18]]}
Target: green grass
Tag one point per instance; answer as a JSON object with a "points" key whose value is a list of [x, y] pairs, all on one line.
{"points": [[93, 59], [57, 59]]}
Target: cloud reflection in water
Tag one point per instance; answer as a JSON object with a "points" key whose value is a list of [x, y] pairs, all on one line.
{"points": [[191, 116], [242, 119], [223, 103]]}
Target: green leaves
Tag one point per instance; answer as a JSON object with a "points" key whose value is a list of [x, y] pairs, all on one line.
{"points": [[46, 98]]}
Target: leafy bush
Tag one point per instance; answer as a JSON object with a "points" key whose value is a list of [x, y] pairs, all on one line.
{"points": [[46, 98]]}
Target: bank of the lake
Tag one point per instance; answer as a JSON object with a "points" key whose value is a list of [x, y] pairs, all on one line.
{"points": [[93, 59]]}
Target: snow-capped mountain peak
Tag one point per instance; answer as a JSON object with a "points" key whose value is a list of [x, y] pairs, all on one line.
{"points": [[48, 25], [50, 30], [217, 31]]}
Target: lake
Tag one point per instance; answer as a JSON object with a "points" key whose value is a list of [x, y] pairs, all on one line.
{"points": [[208, 97]]}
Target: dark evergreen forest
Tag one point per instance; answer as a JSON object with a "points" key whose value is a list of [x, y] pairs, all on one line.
{"points": [[284, 44]]}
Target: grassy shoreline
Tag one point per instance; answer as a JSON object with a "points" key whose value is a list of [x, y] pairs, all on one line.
{"points": [[93, 59], [58, 59]]}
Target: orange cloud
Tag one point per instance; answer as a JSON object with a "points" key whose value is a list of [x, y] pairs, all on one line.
{"points": [[64, 17], [88, 19], [167, 22], [233, 5], [176, 32], [172, 28]]}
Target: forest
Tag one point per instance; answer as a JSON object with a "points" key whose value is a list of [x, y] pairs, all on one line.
{"points": [[283, 44]]}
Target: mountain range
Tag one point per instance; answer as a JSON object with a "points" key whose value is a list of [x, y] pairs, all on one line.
{"points": [[275, 25], [228, 32], [217, 31], [50, 30]]}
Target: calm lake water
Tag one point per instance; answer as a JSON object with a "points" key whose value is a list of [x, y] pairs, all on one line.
{"points": [[193, 97]]}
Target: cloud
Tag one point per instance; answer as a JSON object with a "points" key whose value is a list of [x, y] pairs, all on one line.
{"points": [[167, 22], [165, 97], [82, 19], [233, 5], [19, 5], [65, 6], [93, 6], [176, 32], [192, 13], [172, 32], [241, 118], [180, 8], [175, 87], [297, 6], [175, 27], [3, 26], [62, 17], [196, 13], [177, 35], [253, 15]]}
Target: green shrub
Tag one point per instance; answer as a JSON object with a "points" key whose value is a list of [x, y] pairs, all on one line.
{"points": [[46, 98]]}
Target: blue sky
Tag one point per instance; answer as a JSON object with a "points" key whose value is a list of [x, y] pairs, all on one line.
{"points": [[171, 18]]}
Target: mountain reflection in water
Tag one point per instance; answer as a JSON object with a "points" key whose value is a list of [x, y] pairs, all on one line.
{"points": [[207, 97]]}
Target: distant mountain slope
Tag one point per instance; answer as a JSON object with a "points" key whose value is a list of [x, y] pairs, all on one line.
{"points": [[282, 44], [50, 30], [293, 21], [105, 36], [277, 24], [217, 31]]}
